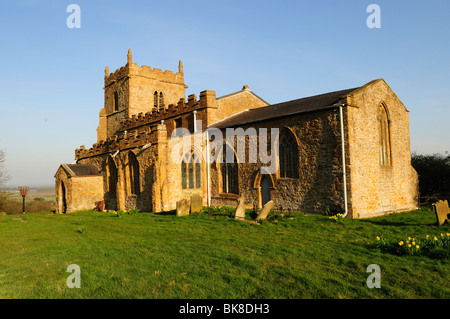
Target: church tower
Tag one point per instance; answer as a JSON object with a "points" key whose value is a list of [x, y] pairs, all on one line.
{"points": [[131, 90]]}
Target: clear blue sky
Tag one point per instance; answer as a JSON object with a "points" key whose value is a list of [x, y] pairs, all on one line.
{"points": [[51, 86]]}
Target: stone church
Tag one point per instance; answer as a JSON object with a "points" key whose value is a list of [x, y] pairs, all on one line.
{"points": [[346, 151]]}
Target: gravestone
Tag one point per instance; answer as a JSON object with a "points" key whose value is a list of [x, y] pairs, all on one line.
{"points": [[240, 209], [196, 203], [442, 211], [266, 210], [183, 207]]}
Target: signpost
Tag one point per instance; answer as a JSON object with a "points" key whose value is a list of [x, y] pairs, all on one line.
{"points": [[23, 192]]}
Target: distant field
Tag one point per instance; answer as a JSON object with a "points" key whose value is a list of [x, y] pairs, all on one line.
{"points": [[148, 255], [46, 193]]}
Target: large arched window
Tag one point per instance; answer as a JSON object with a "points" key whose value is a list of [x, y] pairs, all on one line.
{"points": [[191, 171], [133, 167], [385, 145], [288, 154], [229, 172]]}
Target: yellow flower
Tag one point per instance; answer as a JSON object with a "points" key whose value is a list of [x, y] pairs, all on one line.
{"points": [[428, 236], [409, 238], [448, 234], [414, 243], [417, 246], [409, 245], [378, 238], [435, 238], [400, 243], [442, 235]]}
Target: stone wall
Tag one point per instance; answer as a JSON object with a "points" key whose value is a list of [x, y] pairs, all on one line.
{"points": [[77, 192], [320, 182], [379, 189]]}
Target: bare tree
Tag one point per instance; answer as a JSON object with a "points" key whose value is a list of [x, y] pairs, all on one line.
{"points": [[3, 174]]}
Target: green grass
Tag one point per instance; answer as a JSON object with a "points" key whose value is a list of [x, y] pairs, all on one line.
{"points": [[149, 255]]}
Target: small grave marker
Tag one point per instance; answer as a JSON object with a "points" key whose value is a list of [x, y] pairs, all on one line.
{"points": [[442, 212]]}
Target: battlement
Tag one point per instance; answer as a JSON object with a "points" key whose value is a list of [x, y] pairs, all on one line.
{"points": [[145, 71], [207, 100], [122, 141]]}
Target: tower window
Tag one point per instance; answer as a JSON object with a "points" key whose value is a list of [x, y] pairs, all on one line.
{"points": [[161, 99], [116, 101], [155, 99]]}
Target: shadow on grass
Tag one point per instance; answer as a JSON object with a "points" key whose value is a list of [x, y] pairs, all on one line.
{"points": [[391, 223], [172, 212]]}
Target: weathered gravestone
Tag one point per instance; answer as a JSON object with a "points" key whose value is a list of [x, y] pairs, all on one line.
{"points": [[183, 207], [442, 212], [196, 203], [266, 210], [240, 209]]}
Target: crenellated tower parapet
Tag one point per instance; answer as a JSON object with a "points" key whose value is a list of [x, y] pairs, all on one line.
{"points": [[132, 89]]}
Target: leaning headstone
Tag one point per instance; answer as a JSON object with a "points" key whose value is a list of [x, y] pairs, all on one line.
{"points": [[196, 203], [265, 211], [442, 211], [183, 207], [240, 209]]}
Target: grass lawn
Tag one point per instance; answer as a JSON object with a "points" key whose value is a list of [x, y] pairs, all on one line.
{"points": [[148, 255]]}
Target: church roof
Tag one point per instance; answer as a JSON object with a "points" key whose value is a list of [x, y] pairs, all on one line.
{"points": [[81, 169], [308, 104]]}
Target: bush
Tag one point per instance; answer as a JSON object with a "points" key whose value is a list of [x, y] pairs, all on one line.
{"points": [[434, 176], [15, 206]]}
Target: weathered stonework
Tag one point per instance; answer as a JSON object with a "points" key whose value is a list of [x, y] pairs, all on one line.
{"points": [[136, 141]]}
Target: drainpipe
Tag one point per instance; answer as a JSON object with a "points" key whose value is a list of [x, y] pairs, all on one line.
{"points": [[344, 174], [207, 169]]}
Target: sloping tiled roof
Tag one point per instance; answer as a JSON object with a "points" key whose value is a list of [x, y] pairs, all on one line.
{"points": [[308, 104], [83, 169]]}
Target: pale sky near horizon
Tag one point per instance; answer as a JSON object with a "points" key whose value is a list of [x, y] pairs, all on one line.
{"points": [[51, 86]]}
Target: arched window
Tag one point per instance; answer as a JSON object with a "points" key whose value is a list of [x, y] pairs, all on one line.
{"points": [[116, 101], [155, 99], [288, 155], [161, 99], [385, 145], [111, 179], [229, 172], [133, 166], [191, 171]]}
